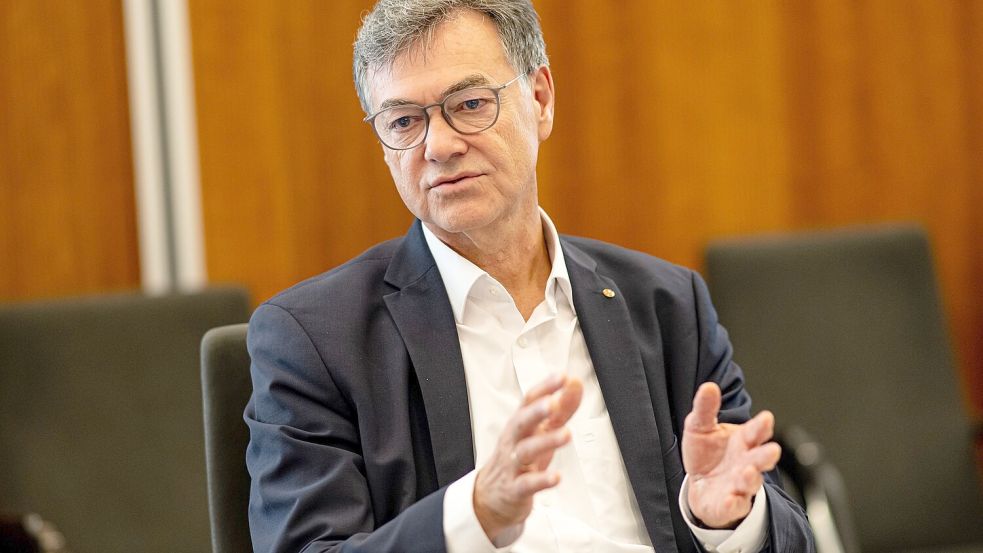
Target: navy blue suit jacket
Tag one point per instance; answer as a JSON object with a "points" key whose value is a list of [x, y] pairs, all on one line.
{"points": [[359, 417]]}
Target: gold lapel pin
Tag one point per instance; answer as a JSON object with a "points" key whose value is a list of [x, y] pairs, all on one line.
{"points": [[608, 293]]}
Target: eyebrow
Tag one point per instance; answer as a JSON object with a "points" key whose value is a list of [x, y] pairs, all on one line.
{"points": [[475, 79]]}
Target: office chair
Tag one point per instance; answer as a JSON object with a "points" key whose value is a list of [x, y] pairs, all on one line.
{"points": [[226, 386], [842, 333], [100, 416]]}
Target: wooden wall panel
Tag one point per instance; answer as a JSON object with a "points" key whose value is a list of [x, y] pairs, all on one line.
{"points": [[67, 221], [676, 123], [293, 182]]}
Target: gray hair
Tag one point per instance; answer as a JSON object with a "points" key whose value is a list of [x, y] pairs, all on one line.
{"points": [[395, 26]]}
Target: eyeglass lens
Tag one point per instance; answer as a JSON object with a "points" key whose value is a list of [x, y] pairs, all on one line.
{"points": [[468, 111]]}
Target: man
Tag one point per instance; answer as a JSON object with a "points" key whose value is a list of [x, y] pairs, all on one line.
{"points": [[566, 370]]}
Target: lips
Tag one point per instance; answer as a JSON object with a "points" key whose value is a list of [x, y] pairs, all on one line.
{"points": [[452, 179]]}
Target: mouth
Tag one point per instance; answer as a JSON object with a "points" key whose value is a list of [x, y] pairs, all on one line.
{"points": [[451, 180]]}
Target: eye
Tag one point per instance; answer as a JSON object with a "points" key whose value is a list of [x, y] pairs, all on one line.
{"points": [[471, 101], [403, 122]]}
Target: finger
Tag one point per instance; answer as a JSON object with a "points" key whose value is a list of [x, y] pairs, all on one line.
{"points": [[748, 481], [758, 430], [529, 450], [764, 458], [528, 418], [545, 387], [706, 406], [529, 483], [565, 402]]}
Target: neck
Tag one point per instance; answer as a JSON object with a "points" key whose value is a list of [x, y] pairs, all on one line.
{"points": [[514, 255]]}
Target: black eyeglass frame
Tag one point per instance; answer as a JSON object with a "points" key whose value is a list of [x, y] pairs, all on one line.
{"points": [[496, 90]]}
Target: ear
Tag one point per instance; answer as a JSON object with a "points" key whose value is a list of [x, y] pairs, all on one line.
{"points": [[543, 96]]}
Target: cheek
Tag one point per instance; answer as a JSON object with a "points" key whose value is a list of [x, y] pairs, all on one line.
{"points": [[521, 134], [397, 167], [403, 177], [392, 160], [519, 144]]}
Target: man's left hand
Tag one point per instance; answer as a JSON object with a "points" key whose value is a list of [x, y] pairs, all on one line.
{"points": [[725, 461]]}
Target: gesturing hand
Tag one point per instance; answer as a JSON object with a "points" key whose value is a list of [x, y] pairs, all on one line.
{"points": [[725, 461], [505, 486]]}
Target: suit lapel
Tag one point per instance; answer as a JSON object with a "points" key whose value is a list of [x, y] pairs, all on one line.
{"points": [[423, 315], [425, 321], [609, 334]]}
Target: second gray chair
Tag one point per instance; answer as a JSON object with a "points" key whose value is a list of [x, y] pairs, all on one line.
{"points": [[843, 334], [226, 387]]}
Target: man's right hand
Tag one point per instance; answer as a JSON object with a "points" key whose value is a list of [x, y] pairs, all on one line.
{"points": [[517, 469]]}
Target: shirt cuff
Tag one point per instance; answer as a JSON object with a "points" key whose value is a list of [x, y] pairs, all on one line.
{"points": [[462, 531], [749, 536]]}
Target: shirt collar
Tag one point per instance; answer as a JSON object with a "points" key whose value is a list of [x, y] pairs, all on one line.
{"points": [[460, 275]]}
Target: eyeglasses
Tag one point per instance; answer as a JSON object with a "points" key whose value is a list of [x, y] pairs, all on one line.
{"points": [[468, 111]]}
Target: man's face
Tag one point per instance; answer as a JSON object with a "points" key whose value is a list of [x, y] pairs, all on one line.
{"points": [[467, 183]]}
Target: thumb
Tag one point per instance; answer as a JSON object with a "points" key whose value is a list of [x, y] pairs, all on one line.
{"points": [[706, 407]]}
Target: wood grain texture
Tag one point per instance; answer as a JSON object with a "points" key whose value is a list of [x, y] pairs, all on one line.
{"points": [[293, 182], [676, 123], [67, 216]]}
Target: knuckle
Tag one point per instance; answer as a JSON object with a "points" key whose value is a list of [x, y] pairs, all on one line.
{"points": [[522, 488]]}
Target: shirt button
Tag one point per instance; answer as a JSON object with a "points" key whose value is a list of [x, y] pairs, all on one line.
{"points": [[493, 291], [523, 342]]}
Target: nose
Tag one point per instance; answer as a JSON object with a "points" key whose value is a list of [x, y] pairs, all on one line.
{"points": [[443, 142]]}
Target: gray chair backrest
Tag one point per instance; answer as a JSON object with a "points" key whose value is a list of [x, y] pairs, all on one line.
{"points": [[842, 333], [100, 417], [226, 386]]}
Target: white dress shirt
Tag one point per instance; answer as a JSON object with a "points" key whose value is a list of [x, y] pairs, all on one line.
{"points": [[593, 509]]}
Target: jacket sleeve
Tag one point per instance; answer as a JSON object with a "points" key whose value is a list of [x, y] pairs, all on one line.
{"points": [[309, 492], [788, 527]]}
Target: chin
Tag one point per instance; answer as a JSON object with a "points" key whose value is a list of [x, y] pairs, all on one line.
{"points": [[454, 221]]}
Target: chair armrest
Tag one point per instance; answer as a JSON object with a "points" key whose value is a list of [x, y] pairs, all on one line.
{"points": [[821, 488]]}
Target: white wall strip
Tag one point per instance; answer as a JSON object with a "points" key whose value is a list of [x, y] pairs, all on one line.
{"points": [[165, 143], [182, 136], [148, 165]]}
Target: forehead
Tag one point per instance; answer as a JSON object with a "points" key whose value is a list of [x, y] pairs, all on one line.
{"points": [[465, 45]]}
